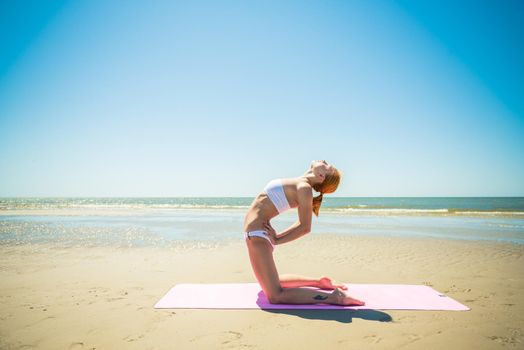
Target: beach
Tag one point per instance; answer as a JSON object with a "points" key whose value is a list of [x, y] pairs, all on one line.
{"points": [[85, 294], [139, 141]]}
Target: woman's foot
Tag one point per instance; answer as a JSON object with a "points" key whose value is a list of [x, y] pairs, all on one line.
{"points": [[339, 297], [327, 283]]}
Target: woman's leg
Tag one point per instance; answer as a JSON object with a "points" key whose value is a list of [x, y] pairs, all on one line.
{"points": [[293, 281], [261, 256]]}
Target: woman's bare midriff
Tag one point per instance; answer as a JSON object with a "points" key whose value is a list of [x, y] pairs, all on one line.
{"points": [[262, 210], [259, 214]]}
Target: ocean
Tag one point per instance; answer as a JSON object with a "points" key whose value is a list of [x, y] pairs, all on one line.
{"points": [[216, 220], [367, 205]]}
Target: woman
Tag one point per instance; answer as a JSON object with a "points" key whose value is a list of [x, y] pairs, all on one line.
{"points": [[278, 196]]}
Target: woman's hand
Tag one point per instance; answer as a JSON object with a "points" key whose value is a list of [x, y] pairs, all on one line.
{"points": [[327, 283], [271, 233]]}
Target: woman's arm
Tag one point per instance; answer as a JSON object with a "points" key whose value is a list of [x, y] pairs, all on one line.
{"points": [[303, 225]]}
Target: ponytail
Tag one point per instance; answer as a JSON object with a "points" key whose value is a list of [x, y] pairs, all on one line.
{"points": [[317, 201], [329, 185]]}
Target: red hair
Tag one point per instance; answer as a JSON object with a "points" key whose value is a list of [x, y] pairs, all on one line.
{"points": [[329, 185]]}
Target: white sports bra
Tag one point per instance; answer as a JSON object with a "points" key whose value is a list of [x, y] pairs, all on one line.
{"points": [[275, 192]]}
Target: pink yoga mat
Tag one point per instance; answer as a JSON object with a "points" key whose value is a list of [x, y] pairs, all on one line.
{"points": [[250, 296]]}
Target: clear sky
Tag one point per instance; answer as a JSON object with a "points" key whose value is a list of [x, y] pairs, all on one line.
{"points": [[215, 98]]}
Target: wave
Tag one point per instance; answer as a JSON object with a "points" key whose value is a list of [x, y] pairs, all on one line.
{"points": [[417, 211], [122, 206], [352, 210], [386, 210]]}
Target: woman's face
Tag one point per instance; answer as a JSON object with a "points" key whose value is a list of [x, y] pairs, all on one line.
{"points": [[321, 168]]}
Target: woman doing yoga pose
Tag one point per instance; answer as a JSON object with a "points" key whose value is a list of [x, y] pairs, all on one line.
{"points": [[261, 239]]}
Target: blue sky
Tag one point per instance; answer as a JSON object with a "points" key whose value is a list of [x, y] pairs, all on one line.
{"points": [[215, 98]]}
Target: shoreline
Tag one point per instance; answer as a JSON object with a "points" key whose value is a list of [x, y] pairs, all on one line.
{"points": [[131, 211], [163, 227]]}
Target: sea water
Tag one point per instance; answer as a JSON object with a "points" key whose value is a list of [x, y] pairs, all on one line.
{"points": [[165, 221], [432, 205]]}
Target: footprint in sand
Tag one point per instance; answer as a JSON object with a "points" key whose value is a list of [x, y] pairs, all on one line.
{"points": [[503, 340], [283, 325], [131, 338], [114, 299], [226, 338], [76, 346], [373, 338], [413, 337], [233, 336]]}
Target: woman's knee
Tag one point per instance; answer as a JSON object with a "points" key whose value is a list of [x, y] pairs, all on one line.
{"points": [[275, 296]]}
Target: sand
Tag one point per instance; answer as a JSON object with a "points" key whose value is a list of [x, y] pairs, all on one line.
{"points": [[102, 297]]}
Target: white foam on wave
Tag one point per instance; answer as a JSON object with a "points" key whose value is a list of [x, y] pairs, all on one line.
{"points": [[389, 210], [412, 211]]}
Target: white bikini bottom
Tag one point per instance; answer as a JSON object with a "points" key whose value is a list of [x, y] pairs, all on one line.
{"points": [[259, 233]]}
